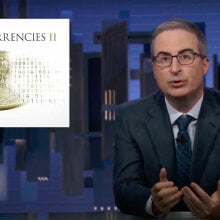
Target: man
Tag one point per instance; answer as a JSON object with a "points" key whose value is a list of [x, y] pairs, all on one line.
{"points": [[148, 161]]}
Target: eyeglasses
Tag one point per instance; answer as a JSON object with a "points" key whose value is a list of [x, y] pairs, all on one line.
{"points": [[184, 58]]}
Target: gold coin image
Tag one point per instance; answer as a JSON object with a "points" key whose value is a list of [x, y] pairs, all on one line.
{"points": [[8, 98]]}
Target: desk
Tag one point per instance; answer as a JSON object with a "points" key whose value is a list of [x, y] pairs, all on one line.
{"points": [[116, 216], [91, 216]]}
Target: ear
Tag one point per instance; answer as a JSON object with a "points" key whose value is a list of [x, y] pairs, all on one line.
{"points": [[206, 63]]}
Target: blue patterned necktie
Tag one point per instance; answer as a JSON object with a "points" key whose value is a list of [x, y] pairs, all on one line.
{"points": [[183, 151]]}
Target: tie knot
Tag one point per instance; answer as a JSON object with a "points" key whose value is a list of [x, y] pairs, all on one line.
{"points": [[183, 122]]}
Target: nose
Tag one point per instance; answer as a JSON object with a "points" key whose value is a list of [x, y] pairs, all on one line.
{"points": [[175, 66]]}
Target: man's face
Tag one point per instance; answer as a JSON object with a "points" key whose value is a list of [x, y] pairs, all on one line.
{"points": [[176, 80]]}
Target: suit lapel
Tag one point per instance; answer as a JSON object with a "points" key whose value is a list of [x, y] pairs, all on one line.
{"points": [[159, 127], [207, 129]]}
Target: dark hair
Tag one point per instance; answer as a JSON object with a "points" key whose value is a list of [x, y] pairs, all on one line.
{"points": [[184, 25]]}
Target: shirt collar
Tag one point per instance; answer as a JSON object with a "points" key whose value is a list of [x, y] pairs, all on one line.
{"points": [[174, 114]]}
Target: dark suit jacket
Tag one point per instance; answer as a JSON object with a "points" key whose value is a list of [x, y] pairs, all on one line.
{"points": [[144, 144]]}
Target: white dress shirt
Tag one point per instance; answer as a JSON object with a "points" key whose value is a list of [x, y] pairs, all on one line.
{"points": [[174, 114]]}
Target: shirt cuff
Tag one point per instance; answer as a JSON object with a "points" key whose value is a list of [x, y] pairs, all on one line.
{"points": [[148, 207]]}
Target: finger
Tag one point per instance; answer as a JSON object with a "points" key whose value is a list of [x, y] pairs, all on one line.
{"points": [[159, 186], [201, 193], [197, 202], [163, 175], [197, 212], [168, 203], [170, 197], [174, 203], [165, 196]]}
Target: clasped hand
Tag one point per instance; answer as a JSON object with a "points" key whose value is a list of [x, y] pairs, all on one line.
{"points": [[165, 195]]}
